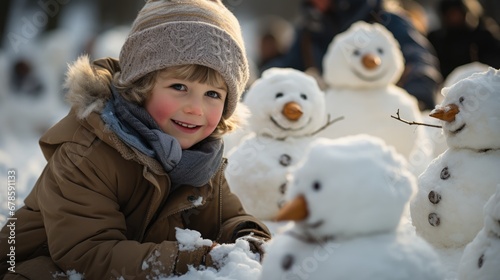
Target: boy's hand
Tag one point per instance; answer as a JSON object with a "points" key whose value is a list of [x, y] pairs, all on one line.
{"points": [[207, 258], [256, 244]]}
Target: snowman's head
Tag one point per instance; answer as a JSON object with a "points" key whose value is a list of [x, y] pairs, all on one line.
{"points": [[470, 112], [364, 56], [492, 213], [285, 102], [349, 186]]}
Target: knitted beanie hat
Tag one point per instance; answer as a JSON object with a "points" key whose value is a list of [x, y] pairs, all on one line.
{"points": [[170, 33]]}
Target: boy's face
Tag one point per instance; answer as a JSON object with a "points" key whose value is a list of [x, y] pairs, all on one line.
{"points": [[188, 111]]}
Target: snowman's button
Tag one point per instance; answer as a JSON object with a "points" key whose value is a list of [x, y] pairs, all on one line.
{"points": [[434, 197], [480, 261], [445, 174], [434, 219], [283, 188], [287, 262], [285, 160]]}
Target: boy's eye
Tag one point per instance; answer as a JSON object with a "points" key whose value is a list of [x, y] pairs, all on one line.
{"points": [[179, 87], [213, 94]]}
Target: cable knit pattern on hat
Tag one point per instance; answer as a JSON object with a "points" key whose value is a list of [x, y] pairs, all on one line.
{"points": [[178, 32]]}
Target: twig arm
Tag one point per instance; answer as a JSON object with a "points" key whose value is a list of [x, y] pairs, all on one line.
{"points": [[328, 123], [397, 117]]}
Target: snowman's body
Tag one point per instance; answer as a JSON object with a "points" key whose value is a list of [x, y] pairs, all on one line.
{"points": [[447, 210], [361, 68], [480, 259], [286, 108], [347, 198], [258, 169], [376, 257], [371, 115]]}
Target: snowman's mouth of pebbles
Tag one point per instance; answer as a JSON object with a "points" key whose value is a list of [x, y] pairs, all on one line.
{"points": [[456, 131], [289, 128], [369, 79], [315, 224]]}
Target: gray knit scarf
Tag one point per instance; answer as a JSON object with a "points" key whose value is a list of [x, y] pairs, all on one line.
{"points": [[135, 126]]}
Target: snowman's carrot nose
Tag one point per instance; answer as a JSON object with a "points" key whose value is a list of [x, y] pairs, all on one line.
{"points": [[292, 111], [371, 61], [446, 113], [295, 210]]}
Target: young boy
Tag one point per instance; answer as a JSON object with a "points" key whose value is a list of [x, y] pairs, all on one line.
{"points": [[140, 154]]}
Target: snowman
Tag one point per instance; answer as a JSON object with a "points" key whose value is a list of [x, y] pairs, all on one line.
{"points": [[448, 208], [347, 198], [481, 256], [461, 72], [361, 67], [286, 109]]}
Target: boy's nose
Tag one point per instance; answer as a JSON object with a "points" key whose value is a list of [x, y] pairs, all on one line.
{"points": [[194, 107]]}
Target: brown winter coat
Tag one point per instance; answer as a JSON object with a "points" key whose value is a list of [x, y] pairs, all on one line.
{"points": [[104, 209]]}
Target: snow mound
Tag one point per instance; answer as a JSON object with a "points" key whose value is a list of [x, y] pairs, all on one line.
{"points": [[189, 240], [233, 261]]}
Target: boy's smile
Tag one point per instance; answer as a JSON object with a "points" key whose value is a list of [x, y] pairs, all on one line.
{"points": [[187, 110]]}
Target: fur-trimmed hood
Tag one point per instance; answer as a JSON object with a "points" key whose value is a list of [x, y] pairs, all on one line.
{"points": [[88, 88], [88, 84]]}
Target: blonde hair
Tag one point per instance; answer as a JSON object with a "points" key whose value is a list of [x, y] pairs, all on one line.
{"points": [[139, 91]]}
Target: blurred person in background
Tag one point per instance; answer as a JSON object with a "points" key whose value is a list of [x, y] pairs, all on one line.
{"points": [[275, 37], [323, 19], [465, 36]]}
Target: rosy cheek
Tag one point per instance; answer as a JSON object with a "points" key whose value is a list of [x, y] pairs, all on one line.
{"points": [[159, 112], [214, 118]]}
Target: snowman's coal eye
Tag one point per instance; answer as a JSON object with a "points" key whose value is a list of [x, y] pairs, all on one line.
{"points": [[316, 186], [480, 261], [285, 160], [380, 51], [461, 99], [356, 52], [279, 94], [303, 96], [287, 262]]}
